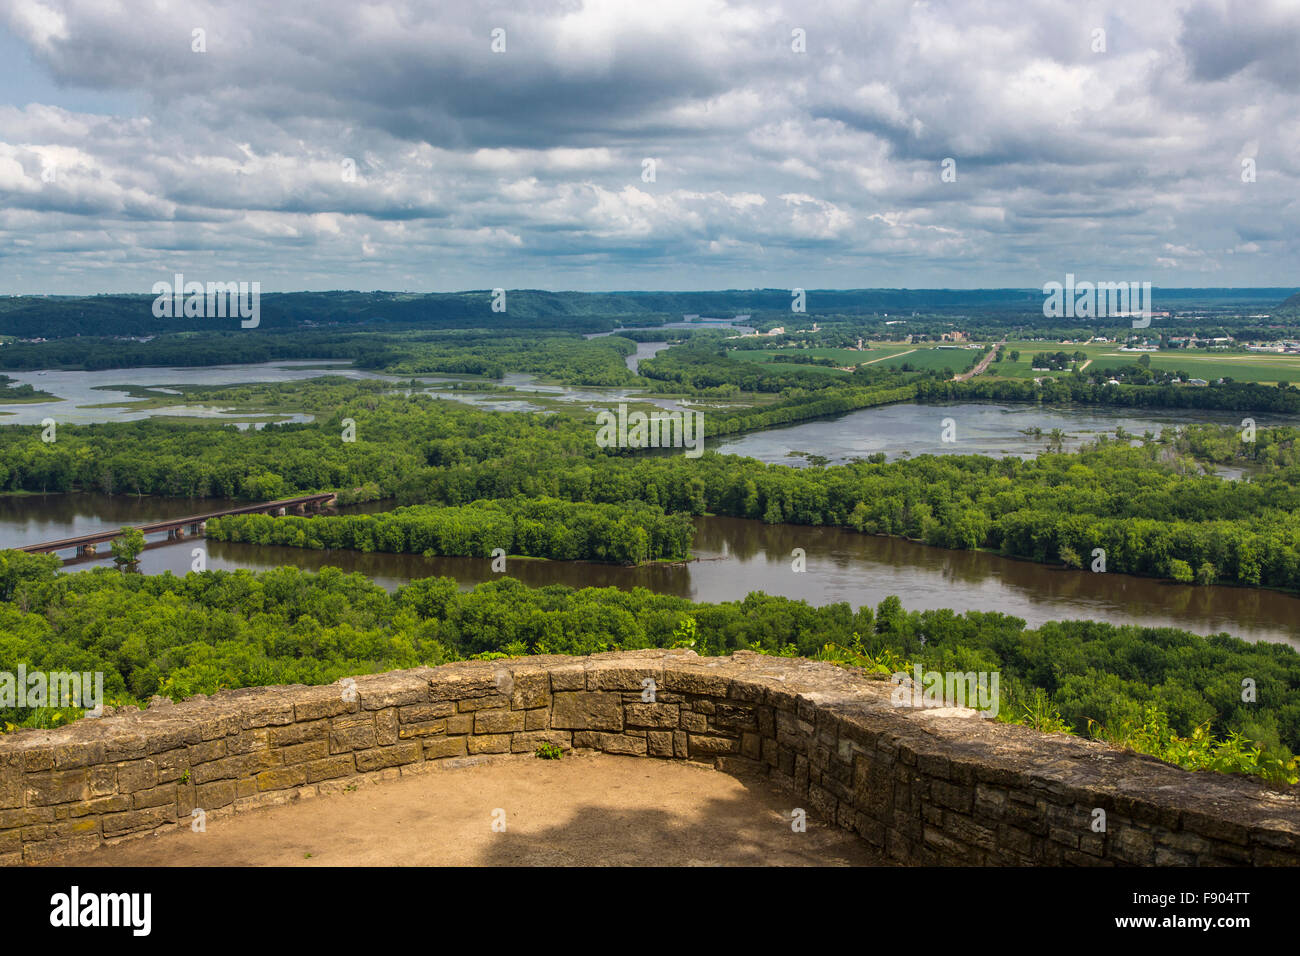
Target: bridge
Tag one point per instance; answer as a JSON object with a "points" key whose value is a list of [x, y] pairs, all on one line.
{"points": [[176, 527]]}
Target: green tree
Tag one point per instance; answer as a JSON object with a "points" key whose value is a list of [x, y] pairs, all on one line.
{"points": [[127, 547]]}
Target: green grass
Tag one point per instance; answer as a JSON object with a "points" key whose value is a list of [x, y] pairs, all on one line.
{"points": [[841, 357], [893, 354], [927, 358], [1263, 367]]}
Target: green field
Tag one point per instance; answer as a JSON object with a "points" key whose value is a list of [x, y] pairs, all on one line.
{"points": [[1264, 367], [891, 354], [926, 359], [878, 352]]}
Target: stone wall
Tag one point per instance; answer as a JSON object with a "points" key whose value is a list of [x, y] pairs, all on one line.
{"points": [[923, 786]]}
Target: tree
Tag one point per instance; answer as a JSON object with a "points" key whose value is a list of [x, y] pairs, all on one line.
{"points": [[126, 548], [17, 567], [1206, 574]]}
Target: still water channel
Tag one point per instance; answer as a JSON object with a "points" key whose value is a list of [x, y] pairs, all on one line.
{"points": [[735, 557]]}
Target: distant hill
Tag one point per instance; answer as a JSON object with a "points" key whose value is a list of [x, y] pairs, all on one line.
{"points": [[62, 316], [58, 316]]}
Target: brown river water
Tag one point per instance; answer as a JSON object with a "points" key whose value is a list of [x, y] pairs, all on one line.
{"points": [[735, 557]]}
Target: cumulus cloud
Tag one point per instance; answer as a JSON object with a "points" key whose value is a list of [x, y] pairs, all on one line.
{"points": [[329, 143]]}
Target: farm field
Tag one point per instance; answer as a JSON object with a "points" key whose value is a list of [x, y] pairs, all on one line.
{"points": [[926, 358], [1263, 367], [922, 357], [877, 350]]}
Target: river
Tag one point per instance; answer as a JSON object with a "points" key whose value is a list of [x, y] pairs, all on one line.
{"points": [[897, 430], [81, 395], [977, 428], [736, 557]]}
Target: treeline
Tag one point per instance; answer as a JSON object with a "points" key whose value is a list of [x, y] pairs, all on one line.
{"points": [[564, 356], [189, 349], [10, 393], [181, 636], [1056, 360], [1272, 449], [1230, 396], [561, 355], [991, 313], [794, 358], [802, 408], [628, 533], [1148, 507], [703, 363], [535, 309]]}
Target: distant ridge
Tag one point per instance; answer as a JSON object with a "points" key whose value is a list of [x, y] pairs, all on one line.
{"points": [[59, 316]]}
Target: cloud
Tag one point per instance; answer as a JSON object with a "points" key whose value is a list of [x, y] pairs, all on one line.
{"points": [[332, 144]]}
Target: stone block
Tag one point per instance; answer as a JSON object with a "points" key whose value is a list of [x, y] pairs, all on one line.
{"points": [[383, 757], [353, 732], [652, 715], [440, 747], [489, 744], [498, 721], [584, 710]]}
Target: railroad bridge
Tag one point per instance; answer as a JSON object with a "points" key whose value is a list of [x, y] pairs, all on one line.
{"points": [[84, 545]]}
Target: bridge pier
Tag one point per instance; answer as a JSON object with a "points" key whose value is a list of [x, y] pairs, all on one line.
{"points": [[85, 550]]}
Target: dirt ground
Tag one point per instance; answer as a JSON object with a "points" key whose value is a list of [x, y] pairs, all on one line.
{"points": [[583, 810]]}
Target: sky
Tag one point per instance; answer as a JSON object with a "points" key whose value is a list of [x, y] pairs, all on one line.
{"points": [[676, 144]]}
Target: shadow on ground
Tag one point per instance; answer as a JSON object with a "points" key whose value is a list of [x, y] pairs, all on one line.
{"points": [[583, 810]]}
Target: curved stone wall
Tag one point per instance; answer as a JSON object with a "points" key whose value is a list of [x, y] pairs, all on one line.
{"points": [[924, 786]]}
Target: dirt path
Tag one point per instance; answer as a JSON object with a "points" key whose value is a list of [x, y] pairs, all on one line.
{"points": [[884, 357], [591, 809]]}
